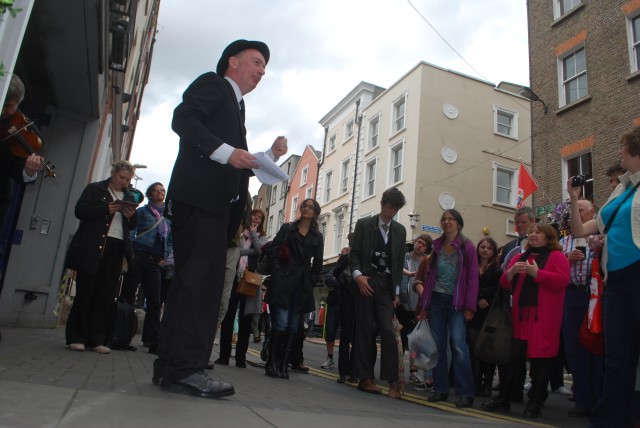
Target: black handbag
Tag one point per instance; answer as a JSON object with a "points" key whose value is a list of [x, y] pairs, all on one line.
{"points": [[494, 340]]}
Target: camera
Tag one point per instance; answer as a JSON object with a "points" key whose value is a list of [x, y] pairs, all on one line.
{"points": [[578, 180]]}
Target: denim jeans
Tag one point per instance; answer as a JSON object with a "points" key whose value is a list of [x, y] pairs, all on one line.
{"points": [[621, 318], [443, 317], [284, 319]]}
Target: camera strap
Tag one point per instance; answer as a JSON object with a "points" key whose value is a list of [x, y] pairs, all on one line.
{"points": [[613, 216]]}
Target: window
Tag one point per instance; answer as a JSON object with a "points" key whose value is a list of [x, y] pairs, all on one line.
{"points": [[399, 108], [327, 186], [505, 122], [633, 29], [332, 143], [504, 185], [337, 242], [280, 218], [274, 191], [284, 190], [348, 130], [294, 208], [323, 229], [370, 181], [374, 130], [309, 193], [562, 7], [581, 165], [395, 163], [573, 77], [344, 177], [270, 227], [304, 176]]}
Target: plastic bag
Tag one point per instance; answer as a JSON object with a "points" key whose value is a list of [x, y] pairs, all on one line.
{"points": [[422, 347]]}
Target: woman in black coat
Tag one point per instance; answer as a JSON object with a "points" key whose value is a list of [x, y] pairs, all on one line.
{"points": [[96, 254], [291, 285]]}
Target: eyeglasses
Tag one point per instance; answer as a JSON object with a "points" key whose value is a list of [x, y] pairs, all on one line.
{"points": [[445, 219], [307, 206]]}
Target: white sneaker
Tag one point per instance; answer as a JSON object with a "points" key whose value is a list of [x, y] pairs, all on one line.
{"points": [[527, 386], [562, 390], [327, 364], [415, 379]]}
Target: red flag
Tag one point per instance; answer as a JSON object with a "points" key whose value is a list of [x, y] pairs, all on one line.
{"points": [[526, 185]]}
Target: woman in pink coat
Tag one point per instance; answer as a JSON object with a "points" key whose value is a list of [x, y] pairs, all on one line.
{"points": [[537, 280]]}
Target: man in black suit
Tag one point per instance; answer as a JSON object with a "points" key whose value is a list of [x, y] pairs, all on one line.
{"points": [[206, 199], [376, 261], [523, 219]]}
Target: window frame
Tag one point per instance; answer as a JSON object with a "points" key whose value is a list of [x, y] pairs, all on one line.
{"points": [[294, 207], [331, 144], [563, 83], [309, 192], [327, 186], [557, 8], [399, 146], [338, 235], [513, 183], [514, 116], [401, 100], [349, 130], [633, 41], [304, 175], [280, 218], [274, 194], [344, 176], [368, 182], [375, 120], [566, 175]]}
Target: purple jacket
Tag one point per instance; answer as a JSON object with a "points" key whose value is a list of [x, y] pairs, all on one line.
{"points": [[465, 291]]}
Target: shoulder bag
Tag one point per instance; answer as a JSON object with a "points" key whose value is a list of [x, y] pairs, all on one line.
{"points": [[494, 340]]}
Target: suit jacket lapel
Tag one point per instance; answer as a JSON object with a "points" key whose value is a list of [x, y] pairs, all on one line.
{"points": [[237, 108]]}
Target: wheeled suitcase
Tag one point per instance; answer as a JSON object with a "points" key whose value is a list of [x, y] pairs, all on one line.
{"points": [[125, 325]]}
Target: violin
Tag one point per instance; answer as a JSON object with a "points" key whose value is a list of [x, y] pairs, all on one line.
{"points": [[24, 139]]}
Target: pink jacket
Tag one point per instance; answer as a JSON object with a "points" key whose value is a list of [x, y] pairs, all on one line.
{"points": [[543, 335]]}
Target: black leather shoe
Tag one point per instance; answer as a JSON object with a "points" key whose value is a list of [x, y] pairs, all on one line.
{"points": [[241, 364], [342, 379], [153, 349], [578, 412], [464, 402], [199, 384], [532, 410], [495, 404], [158, 369], [437, 396], [222, 361]]}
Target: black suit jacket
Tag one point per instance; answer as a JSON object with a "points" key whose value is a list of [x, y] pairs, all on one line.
{"points": [[208, 116], [364, 241]]}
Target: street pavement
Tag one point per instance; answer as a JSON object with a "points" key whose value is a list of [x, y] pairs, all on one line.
{"points": [[43, 384]]}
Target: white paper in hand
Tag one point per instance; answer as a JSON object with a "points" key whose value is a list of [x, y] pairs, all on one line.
{"points": [[269, 173]]}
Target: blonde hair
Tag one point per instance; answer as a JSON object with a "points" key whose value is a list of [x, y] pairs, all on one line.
{"points": [[122, 164]]}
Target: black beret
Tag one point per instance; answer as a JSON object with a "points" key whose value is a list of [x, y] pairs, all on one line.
{"points": [[237, 47]]}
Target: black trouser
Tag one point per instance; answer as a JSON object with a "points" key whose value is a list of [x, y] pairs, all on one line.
{"points": [[347, 326], [191, 310], [540, 373], [91, 315], [297, 356], [147, 272], [236, 301], [373, 317]]}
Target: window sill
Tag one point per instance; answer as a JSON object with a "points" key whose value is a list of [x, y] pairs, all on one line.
{"points": [[579, 102], [506, 136], [371, 149], [567, 15], [396, 133], [633, 76], [368, 197]]}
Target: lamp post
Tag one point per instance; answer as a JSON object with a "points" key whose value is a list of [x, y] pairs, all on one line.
{"points": [[135, 176], [414, 218]]}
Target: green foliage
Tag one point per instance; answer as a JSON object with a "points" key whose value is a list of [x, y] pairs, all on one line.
{"points": [[7, 5], [3, 72]]}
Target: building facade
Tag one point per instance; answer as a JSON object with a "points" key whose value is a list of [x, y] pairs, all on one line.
{"points": [[303, 182], [584, 61], [278, 197]]}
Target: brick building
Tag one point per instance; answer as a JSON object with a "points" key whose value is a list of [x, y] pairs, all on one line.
{"points": [[584, 57]]}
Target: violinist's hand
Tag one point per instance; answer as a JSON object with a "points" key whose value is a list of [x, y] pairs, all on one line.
{"points": [[33, 164]]}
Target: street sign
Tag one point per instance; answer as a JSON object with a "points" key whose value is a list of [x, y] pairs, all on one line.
{"points": [[545, 209], [432, 229]]}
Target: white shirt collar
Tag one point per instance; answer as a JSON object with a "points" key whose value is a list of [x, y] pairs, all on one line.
{"points": [[236, 88]]}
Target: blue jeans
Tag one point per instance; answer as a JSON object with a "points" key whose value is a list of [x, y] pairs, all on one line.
{"points": [[621, 340], [442, 318], [284, 319]]}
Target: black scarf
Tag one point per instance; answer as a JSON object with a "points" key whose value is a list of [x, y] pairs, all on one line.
{"points": [[529, 291]]}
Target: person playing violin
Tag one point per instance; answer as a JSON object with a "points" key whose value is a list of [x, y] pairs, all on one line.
{"points": [[22, 171]]}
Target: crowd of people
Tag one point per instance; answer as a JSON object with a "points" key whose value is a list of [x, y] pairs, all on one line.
{"points": [[186, 256]]}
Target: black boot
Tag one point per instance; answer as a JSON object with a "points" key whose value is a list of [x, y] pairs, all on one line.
{"points": [[275, 346], [284, 362]]}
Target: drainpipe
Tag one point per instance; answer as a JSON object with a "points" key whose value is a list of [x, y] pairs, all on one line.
{"points": [[355, 169], [324, 150]]}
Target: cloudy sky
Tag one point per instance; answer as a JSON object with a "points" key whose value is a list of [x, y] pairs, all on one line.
{"points": [[320, 50]]}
